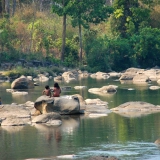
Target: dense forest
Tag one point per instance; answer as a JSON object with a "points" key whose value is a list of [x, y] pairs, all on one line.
{"points": [[102, 35]]}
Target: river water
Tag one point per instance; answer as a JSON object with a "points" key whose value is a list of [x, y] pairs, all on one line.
{"points": [[113, 135]]}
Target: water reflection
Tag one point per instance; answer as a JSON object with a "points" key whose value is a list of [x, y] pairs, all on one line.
{"points": [[82, 135], [20, 98], [12, 129], [50, 132], [69, 124], [104, 94]]}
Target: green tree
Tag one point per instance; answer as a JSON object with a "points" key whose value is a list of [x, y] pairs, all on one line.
{"points": [[128, 17], [59, 7], [84, 12], [147, 47]]}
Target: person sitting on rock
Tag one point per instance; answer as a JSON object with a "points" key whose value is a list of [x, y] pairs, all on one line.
{"points": [[47, 91], [56, 90]]}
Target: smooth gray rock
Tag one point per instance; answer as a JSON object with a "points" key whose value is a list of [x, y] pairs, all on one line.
{"points": [[60, 105], [46, 118], [14, 110], [136, 109], [22, 83], [96, 109]]}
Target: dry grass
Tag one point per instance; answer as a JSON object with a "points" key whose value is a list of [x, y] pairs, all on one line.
{"points": [[155, 14]]}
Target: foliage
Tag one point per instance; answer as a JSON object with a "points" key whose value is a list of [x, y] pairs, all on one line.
{"points": [[71, 52], [104, 54], [121, 54], [155, 14], [96, 54], [18, 71], [85, 12], [147, 47], [128, 17], [6, 35], [37, 35]]}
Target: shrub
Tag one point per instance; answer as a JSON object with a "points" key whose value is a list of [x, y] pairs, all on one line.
{"points": [[147, 47]]}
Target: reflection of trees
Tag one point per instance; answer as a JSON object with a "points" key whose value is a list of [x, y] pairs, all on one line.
{"points": [[134, 129]]}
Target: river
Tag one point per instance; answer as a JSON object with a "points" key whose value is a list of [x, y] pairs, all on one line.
{"points": [[113, 135]]}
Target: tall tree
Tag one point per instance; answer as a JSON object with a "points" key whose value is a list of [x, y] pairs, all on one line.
{"points": [[13, 7], [128, 17], [59, 7], [84, 12], [7, 7]]}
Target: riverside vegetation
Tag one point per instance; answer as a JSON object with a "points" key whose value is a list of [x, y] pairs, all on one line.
{"points": [[100, 35]]}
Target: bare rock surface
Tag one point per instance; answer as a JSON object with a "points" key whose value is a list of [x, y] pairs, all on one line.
{"points": [[105, 89], [22, 83], [61, 105], [97, 109], [14, 110], [136, 109], [141, 78], [47, 118], [157, 142]]}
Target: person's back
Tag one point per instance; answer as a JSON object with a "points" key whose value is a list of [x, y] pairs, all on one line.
{"points": [[56, 90], [47, 91]]}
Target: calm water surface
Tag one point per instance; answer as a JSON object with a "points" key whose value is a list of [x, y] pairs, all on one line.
{"points": [[113, 135]]}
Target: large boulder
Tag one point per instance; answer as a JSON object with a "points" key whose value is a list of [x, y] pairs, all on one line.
{"points": [[104, 89], [102, 75], [136, 109], [22, 83], [130, 73], [61, 105], [151, 74], [69, 76], [140, 78]]}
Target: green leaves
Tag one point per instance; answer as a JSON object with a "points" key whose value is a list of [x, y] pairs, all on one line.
{"points": [[147, 47], [128, 17]]}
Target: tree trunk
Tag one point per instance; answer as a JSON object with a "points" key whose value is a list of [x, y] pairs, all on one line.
{"points": [[63, 38], [13, 7], [7, 7], [80, 42], [41, 5], [32, 29]]}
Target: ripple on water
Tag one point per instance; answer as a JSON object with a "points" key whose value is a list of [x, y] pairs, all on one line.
{"points": [[125, 151]]}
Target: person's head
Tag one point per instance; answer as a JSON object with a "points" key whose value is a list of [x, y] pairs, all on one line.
{"points": [[46, 87], [56, 85]]}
